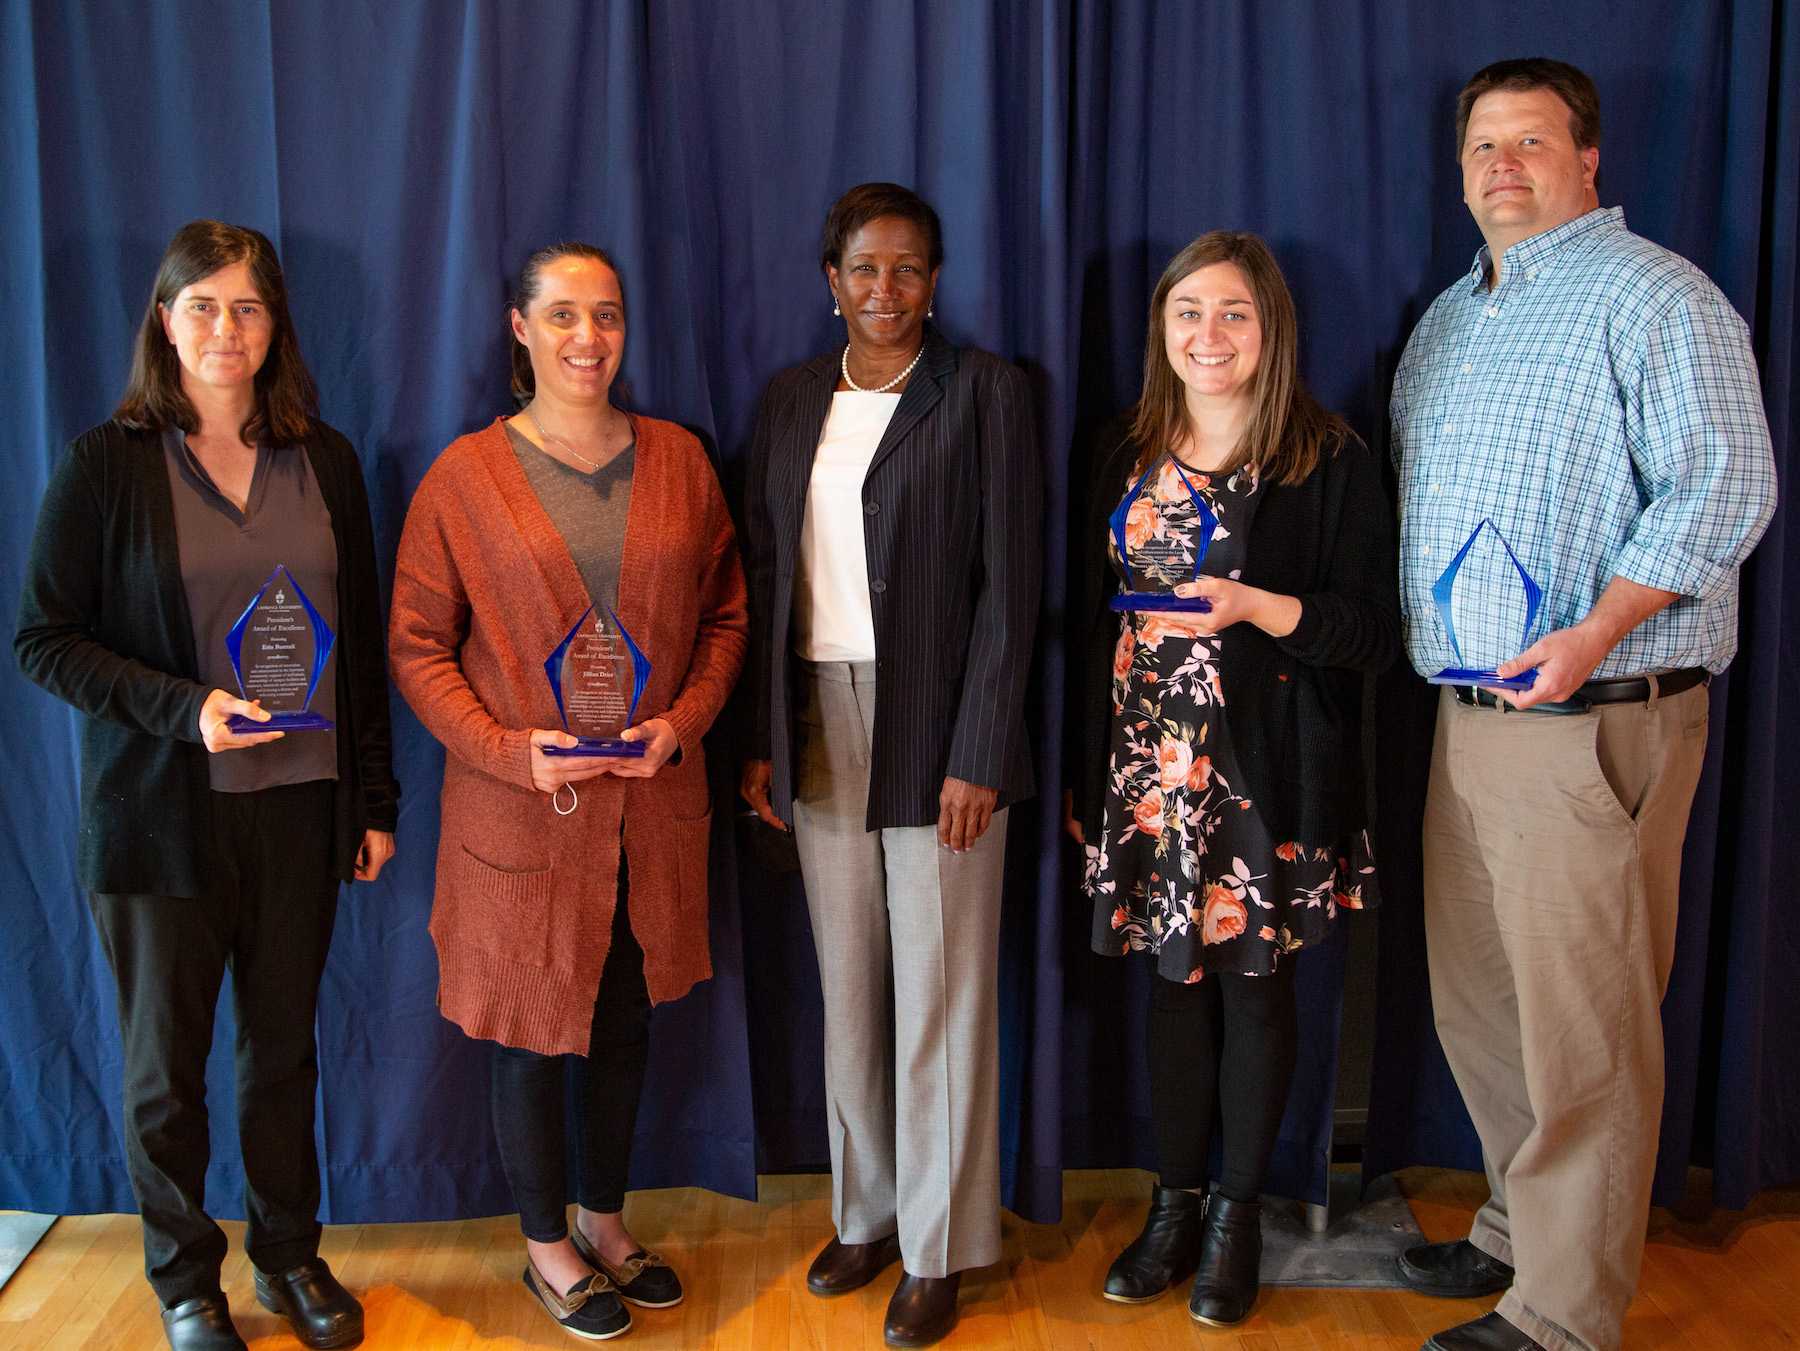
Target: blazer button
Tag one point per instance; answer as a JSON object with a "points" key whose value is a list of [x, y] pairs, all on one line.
{"points": [[878, 586], [871, 508]]}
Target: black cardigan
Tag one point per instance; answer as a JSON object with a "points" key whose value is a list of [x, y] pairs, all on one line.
{"points": [[104, 625], [1294, 703]]}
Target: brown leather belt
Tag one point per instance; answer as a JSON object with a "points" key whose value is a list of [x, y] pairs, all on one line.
{"points": [[1620, 690]]}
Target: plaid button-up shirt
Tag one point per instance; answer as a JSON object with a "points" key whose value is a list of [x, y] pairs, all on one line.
{"points": [[1601, 408]]}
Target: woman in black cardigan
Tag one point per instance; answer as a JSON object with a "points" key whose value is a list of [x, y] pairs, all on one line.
{"points": [[1219, 784], [205, 847]]}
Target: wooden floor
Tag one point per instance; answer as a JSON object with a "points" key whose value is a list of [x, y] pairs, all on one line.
{"points": [[1730, 1282]]}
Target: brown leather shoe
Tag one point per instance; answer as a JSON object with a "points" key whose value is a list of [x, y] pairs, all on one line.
{"points": [[842, 1267], [923, 1309]]}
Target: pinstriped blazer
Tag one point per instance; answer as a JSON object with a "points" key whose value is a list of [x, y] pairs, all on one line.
{"points": [[952, 514]]}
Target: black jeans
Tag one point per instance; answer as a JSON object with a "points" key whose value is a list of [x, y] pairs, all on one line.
{"points": [[530, 1098], [267, 915], [1225, 1043]]}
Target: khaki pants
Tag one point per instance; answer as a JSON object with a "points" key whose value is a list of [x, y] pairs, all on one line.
{"points": [[1552, 870]]}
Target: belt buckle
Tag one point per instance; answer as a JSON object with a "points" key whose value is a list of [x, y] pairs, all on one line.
{"points": [[1473, 696]]}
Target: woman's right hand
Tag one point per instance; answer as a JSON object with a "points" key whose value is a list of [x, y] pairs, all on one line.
{"points": [[754, 789], [216, 733], [550, 772]]}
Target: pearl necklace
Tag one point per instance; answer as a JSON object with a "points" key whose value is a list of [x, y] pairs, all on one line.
{"points": [[844, 366]]}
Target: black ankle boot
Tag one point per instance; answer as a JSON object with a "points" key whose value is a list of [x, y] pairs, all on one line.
{"points": [[1230, 1261], [1164, 1253]]}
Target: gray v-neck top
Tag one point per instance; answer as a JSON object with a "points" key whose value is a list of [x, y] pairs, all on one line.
{"points": [[226, 556], [588, 511]]}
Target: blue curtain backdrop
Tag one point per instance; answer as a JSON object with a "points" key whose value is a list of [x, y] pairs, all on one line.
{"points": [[405, 155]]}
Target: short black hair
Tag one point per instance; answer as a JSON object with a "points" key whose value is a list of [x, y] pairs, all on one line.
{"points": [[1571, 85], [873, 201]]}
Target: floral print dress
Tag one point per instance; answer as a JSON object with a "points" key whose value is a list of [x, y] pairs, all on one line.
{"points": [[1184, 867]]}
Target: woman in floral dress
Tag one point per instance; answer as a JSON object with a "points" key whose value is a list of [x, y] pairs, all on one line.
{"points": [[1220, 795]]}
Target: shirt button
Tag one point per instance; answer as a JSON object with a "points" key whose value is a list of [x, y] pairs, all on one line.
{"points": [[878, 586], [870, 508], [1492, 311], [1467, 367], [1435, 487], [1449, 427], [1531, 274]]}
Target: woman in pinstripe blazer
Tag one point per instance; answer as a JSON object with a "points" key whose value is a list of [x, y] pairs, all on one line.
{"points": [[893, 538]]}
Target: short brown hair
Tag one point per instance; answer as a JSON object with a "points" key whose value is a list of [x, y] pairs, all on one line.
{"points": [[531, 275], [1569, 84], [287, 401], [875, 201], [1288, 429]]}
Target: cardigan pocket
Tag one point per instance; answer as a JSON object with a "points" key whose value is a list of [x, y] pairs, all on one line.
{"points": [[502, 912]]}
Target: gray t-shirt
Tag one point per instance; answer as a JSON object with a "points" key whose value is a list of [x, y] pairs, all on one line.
{"points": [[587, 509], [226, 556]]}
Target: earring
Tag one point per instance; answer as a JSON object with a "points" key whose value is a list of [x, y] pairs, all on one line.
{"points": [[931, 310], [834, 308]]}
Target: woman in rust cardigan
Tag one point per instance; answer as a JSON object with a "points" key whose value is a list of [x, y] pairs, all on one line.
{"points": [[542, 945]]}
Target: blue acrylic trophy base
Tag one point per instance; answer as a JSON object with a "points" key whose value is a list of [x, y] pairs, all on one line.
{"points": [[1127, 601], [303, 721], [1460, 675], [595, 746]]}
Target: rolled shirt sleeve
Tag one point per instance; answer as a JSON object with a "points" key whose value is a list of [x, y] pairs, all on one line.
{"points": [[1700, 446]]}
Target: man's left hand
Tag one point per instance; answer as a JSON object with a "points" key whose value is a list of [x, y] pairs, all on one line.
{"points": [[1564, 659]]}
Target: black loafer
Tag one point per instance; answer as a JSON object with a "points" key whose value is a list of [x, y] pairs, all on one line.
{"points": [[643, 1279], [324, 1314], [1457, 1270], [1490, 1332], [201, 1324], [842, 1267], [922, 1310], [1165, 1253]]}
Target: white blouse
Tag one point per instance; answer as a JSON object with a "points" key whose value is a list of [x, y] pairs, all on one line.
{"points": [[833, 621]]}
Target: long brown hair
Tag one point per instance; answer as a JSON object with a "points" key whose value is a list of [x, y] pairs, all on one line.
{"points": [[287, 401], [1288, 429]]}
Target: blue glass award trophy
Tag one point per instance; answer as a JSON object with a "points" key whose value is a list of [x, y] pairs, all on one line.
{"points": [[1162, 561], [1450, 597], [279, 647], [597, 674]]}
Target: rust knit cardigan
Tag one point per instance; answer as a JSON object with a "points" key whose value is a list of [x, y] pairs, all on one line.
{"points": [[484, 589]]}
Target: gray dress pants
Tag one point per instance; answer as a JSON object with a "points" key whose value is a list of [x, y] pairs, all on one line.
{"points": [[908, 939]]}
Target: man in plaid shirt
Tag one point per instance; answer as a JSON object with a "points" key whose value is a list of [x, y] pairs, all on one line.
{"points": [[1593, 396]]}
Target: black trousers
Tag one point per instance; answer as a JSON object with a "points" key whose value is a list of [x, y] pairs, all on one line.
{"points": [[1224, 1044], [529, 1095], [267, 915]]}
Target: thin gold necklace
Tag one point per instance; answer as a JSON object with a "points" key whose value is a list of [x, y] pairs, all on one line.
{"points": [[551, 436]]}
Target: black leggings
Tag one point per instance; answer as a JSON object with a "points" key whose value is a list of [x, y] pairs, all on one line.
{"points": [[1226, 1042], [529, 1099]]}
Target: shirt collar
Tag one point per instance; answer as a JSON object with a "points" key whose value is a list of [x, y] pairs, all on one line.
{"points": [[1540, 249]]}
